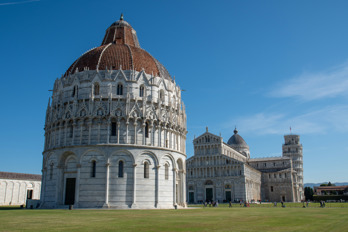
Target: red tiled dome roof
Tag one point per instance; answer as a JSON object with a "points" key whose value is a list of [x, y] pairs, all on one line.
{"points": [[120, 49]]}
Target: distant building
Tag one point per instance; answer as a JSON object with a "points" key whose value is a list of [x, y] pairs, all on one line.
{"points": [[221, 171], [331, 190], [16, 188]]}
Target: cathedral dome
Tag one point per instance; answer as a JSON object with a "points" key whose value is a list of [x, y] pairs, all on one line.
{"points": [[236, 139], [237, 142], [120, 49]]}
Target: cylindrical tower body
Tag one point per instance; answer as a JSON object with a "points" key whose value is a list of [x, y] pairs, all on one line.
{"points": [[115, 130], [292, 148]]}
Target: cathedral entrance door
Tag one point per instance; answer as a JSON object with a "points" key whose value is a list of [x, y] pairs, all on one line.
{"points": [[70, 191], [209, 194], [228, 196], [191, 197]]}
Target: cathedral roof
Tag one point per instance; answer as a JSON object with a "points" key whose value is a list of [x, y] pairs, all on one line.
{"points": [[120, 49], [237, 140]]}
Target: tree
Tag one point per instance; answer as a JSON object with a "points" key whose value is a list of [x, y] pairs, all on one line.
{"points": [[329, 184], [308, 192]]}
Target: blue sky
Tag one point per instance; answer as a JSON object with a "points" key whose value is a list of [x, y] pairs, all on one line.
{"points": [[262, 66]]}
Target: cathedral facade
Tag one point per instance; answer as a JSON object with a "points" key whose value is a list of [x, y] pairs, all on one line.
{"points": [[115, 130], [224, 172]]}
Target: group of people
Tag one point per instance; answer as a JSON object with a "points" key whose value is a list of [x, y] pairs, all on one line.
{"points": [[211, 203]]}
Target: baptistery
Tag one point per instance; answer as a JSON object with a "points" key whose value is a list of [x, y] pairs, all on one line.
{"points": [[115, 130]]}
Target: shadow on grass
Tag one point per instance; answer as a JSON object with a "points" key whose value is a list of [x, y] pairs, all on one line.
{"points": [[17, 207]]}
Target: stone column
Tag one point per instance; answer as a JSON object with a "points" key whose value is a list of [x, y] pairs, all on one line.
{"points": [[81, 131], [183, 192], [157, 203], [134, 203], [144, 139], [99, 122], [118, 131], [108, 132], [106, 204], [65, 132], [77, 190], [59, 188], [159, 136], [89, 131], [60, 134], [127, 123], [135, 132], [43, 185], [174, 186], [73, 133], [151, 134]]}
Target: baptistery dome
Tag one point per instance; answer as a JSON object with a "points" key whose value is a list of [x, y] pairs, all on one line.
{"points": [[115, 130], [120, 49]]}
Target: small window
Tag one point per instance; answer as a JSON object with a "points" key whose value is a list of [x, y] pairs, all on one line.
{"points": [[94, 168], [119, 89], [274, 164], [146, 170], [289, 149], [113, 128], [141, 91], [120, 169], [166, 172], [269, 175], [146, 130], [96, 88], [284, 175], [75, 91], [280, 175], [271, 188], [240, 172], [264, 164], [275, 175]]}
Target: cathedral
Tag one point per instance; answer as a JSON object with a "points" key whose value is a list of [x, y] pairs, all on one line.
{"points": [[224, 172], [115, 130]]}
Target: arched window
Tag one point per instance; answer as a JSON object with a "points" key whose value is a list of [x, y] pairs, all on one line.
{"points": [[146, 170], [71, 131], [120, 168], [162, 95], [75, 91], [141, 91], [119, 89], [113, 128], [94, 168], [146, 130], [166, 171], [96, 88]]}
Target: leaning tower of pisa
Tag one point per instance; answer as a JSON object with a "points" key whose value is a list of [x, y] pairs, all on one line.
{"points": [[292, 148]]}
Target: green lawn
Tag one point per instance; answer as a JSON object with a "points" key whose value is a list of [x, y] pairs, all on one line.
{"points": [[192, 219]]}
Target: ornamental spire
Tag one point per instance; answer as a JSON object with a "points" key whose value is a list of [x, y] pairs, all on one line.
{"points": [[121, 17]]}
